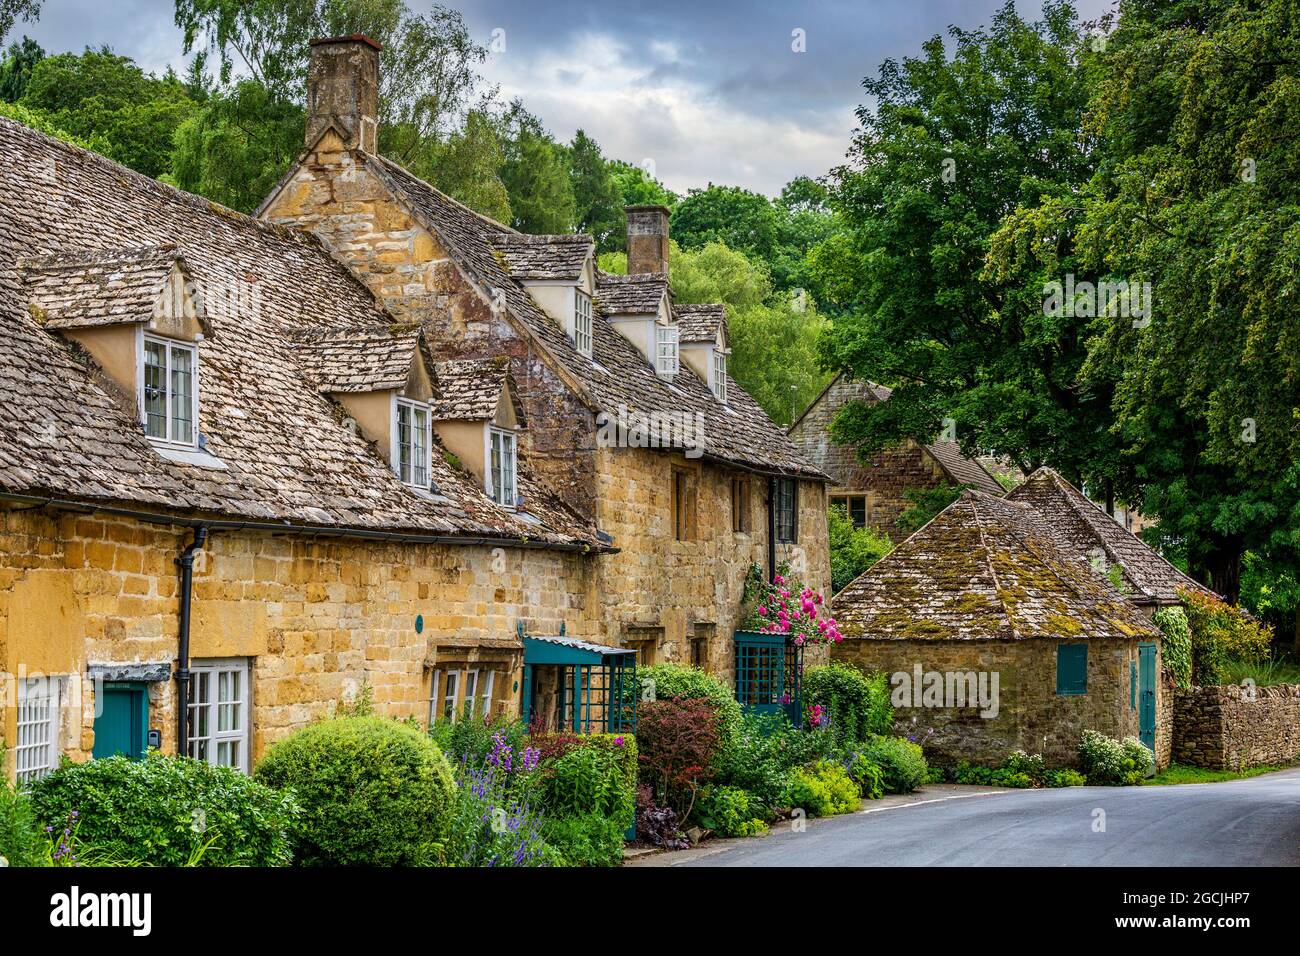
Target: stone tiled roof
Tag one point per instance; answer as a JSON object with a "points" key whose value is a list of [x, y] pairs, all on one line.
{"points": [[359, 360], [962, 470], [67, 433], [470, 389], [1081, 528], [632, 294], [83, 289], [543, 257], [700, 323], [983, 569], [617, 374]]}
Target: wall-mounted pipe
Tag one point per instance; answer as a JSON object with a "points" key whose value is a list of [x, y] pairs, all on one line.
{"points": [[186, 562]]}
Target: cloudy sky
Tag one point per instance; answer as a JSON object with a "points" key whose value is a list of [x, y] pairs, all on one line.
{"points": [[707, 91]]}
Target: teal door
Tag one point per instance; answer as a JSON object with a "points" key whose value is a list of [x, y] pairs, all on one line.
{"points": [[1147, 694], [121, 727]]}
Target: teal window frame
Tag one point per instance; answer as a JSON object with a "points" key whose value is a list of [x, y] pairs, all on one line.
{"points": [[1132, 684], [1071, 670]]}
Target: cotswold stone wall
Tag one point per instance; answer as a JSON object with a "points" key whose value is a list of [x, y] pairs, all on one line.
{"points": [[316, 618], [1222, 728], [1031, 716], [884, 477]]}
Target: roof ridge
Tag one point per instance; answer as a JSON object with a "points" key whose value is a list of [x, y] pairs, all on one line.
{"points": [[495, 224]]}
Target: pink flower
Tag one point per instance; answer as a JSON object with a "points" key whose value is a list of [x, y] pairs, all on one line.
{"points": [[763, 610], [799, 640], [777, 579]]}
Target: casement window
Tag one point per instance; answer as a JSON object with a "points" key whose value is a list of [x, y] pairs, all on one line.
{"points": [[645, 642], [503, 449], [740, 505], [414, 447], [787, 510], [170, 397], [683, 505], [855, 506], [720, 375], [667, 351], [38, 727], [582, 322], [219, 712], [463, 693], [1072, 669]]}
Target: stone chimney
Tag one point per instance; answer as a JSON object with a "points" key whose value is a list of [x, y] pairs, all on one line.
{"points": [[647, 239], [343, 90]]}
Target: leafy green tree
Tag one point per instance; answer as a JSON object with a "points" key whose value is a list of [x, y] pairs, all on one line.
{"points": [[100, 93], [638, 188], [954, 142], [41, 123], [853, 549], [1199, 194], [467, 167], [11, 11], [237, 146], [597, 200], [536, 175], [427, 66], [16, 69], [737, 218], [926, 503]]}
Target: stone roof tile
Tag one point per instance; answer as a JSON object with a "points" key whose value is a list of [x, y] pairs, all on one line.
{"points": [[83, 288], [544, 257]]}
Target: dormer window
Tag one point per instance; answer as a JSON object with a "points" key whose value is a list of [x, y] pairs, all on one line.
{"points": [[170, 400], [720, 375], [667, 354], [502, 474], [582, 322], [412, 460]]}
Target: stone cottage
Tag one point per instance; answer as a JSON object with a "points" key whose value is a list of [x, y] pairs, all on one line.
{"points": [[241, 478], [997, 640], [874, 491], [634, 420]]}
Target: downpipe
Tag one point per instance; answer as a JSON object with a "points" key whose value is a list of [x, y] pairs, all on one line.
{"points": [[186, 563]]}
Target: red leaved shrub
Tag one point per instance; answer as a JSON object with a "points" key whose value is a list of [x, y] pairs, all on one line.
{"points": [[677, 741]]}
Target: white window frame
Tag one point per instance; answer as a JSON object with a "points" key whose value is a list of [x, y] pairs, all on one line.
{"points": [[169, 346], [242, 704], [667, 351], [453, 685], [720, 375], [414, 408], [486, 688], [510, 489], [582, 332], [38, 730]]}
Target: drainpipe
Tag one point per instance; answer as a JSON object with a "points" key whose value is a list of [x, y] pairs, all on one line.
{"points": [[186, 562], [771, 528]]}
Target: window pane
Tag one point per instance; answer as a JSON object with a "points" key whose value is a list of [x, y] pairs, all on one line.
{"points": [[182, 388], [858, 511], [155, 389], [404, 442], [420, 446]]}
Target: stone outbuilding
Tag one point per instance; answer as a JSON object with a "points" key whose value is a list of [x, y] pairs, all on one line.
{"points": [[996, 640]]}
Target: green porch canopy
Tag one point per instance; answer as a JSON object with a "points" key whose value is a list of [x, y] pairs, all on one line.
{"points": [[578, 686]]}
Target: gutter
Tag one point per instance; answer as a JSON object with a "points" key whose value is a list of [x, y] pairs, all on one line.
{"points": [[152, 517], [186, 562]]}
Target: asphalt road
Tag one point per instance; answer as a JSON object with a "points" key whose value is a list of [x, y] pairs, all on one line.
{"points": [[1254, 822]]}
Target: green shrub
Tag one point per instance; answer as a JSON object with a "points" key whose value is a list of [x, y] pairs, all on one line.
{"points": [[902, 762], [853, 549], [374, 792], [858, 706], [1064, 778], [1176, 647], [766, 749], [1221, 634], [595, 776], [168, 811], [868, 775], [679, 682], [729, 812], [588, 840], [822, 790], [1108, 762], [1019, 770], [21, 840], [470, 739]]}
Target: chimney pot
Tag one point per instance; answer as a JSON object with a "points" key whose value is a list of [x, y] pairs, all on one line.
{"points": [[647, 239], [343, 90]]}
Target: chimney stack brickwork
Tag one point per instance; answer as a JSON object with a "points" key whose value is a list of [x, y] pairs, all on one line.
{"points": [[343, 90], [647, 239]]}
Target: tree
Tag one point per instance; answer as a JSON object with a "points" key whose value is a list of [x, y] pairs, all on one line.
{"points": [[736, 217], [11, 11], [597, 200], [101, 94], [427, 65], [853, 550], [953, 144], [468, 166], [16, 69], [639, 188], [1199, 194], [536, 175], [237, 146]]}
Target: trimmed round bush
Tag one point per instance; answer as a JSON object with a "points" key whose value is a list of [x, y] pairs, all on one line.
{"points": [[901, 762], [680, 682], [167, 811], [374, 792], [1114, 763]]}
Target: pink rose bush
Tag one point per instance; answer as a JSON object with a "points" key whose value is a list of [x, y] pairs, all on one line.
{"points": [[785, 606]]}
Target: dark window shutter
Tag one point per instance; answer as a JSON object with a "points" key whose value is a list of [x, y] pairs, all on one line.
{"points": [[1072, 668]]}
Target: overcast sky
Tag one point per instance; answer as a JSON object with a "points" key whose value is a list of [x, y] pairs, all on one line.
{"points": [[707, 91]]}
